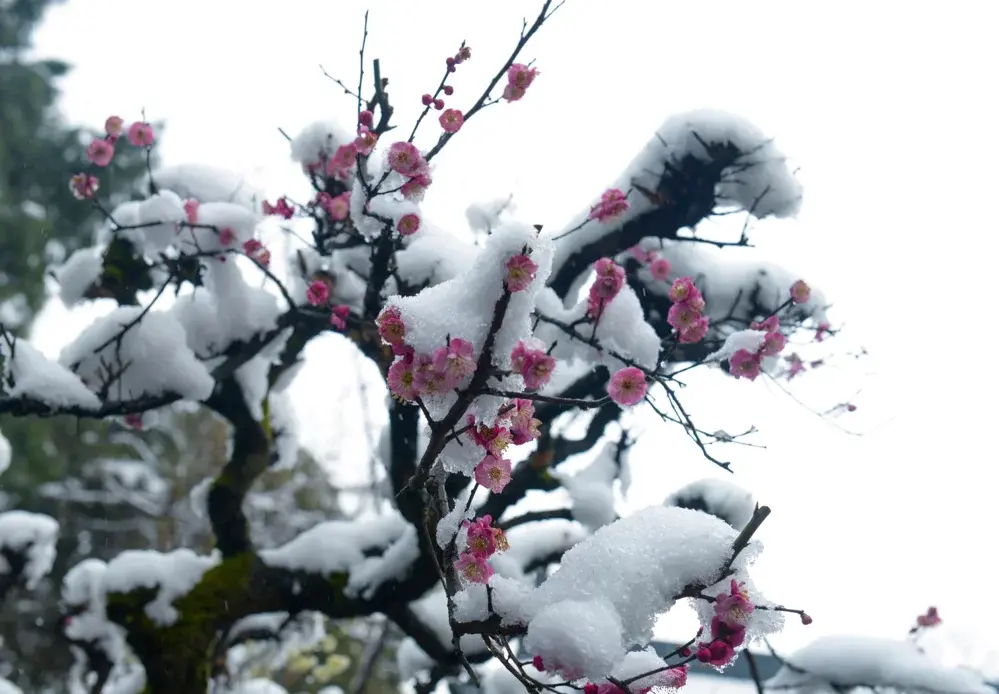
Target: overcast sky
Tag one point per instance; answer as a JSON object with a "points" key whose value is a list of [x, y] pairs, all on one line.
{"points": [[888, 110]]}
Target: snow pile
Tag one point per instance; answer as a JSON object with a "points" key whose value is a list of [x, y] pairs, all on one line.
{"points": [[317, 142], [8, 687], [5, 453], [340, 546], [33, 536], [719, 497], [150, 358], [640, 564], [759, 182], [78, 274], [485, 216], [208, 184], [592, 489], [835, 663], [433, 256], [34, 376], [622, 330], [174, 574], [584, 637], [749, 340]]}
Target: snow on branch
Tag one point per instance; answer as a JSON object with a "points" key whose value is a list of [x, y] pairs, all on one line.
{"points": [[27, 548], [837, 663]]}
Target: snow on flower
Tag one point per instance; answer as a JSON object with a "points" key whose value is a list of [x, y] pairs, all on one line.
{"points": [[520, 272], [464, 306]]}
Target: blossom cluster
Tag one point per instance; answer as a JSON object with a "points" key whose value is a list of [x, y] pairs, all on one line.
{"points": [[606, 286], [657, 265], [746, 364], [685, 314], [613, 203], [100, 152], [482, 541], [728, 626]]}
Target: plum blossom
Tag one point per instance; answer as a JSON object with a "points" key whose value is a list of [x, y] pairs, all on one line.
{"points": [[773, 344], [338, 316], [390, 325], [744, 364], [609, 281], [473, 568], [282, 208], [191, 207], [519, 78], [523, 424], [226, 236], [402, 379], [408, 224], [493, 473], [520, 272], [613, 203], [338, 207], [318, 293], [84, 186], [800, 292], [342, 163], [659, 269], [100, 152], [451, 120], [456, 361], [494, 439], [114, 126], [533, 364], [365, 141], [140, 134], [405, 158], [627, 387]]}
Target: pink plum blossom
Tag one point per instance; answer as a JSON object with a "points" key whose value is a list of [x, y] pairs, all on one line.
{"points": [[140, 134], [451, 120], [318, 293], [493, 473], [744, 364], [520, 272], [627, 387], [390, 326], [408, 224], [473, 568], [338, 316], [800, 292], [100, 152]]}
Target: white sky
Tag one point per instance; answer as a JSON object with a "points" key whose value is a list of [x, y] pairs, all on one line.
{"points": [[886, 107]]}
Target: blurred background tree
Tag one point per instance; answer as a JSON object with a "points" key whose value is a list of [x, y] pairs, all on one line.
{"points": [[112, 487]]}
